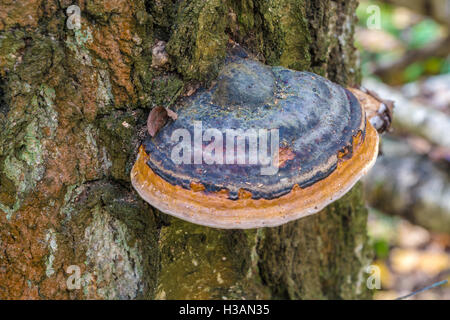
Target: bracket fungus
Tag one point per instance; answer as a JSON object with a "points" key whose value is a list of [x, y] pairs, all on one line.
{"points": [[261, 147]]}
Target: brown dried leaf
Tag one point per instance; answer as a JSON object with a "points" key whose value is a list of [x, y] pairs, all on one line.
{"points": [[414, 260], [156, 120]]}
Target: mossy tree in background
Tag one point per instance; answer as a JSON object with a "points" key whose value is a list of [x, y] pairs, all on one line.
{"points": [[73, 109]]}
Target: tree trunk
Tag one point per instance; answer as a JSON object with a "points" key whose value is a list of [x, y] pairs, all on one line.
{"points": [[73, 105]]}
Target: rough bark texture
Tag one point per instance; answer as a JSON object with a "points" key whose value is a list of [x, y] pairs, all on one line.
{"points": [[73, 105]]}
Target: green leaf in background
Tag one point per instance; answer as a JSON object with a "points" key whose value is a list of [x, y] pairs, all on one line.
{"points": [[423, 33], [381, 247], [413, 72], [446, 66], [434, 65]]}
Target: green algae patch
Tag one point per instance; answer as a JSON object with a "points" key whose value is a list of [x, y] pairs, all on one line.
{"points": [[10, 44], [23, 162]]}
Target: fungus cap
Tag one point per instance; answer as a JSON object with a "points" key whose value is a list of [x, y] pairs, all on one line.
{"points": [[314, 132]]}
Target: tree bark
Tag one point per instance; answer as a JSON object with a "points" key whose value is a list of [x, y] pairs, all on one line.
{"points": [[73, 105]]}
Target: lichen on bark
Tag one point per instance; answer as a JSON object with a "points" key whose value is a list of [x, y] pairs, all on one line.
{"points": [[72, 114]]}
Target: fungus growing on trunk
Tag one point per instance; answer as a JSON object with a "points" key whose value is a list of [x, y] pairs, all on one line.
{"points": [[263, 146]]}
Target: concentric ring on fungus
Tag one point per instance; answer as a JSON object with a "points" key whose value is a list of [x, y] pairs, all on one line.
{"points": [[326, 145]]}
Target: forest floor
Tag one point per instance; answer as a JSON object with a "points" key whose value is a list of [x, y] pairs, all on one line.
{"points": [[409, 257]]}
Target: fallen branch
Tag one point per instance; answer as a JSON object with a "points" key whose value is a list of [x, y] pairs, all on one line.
{"points": [[405, 184], [414, 118]]}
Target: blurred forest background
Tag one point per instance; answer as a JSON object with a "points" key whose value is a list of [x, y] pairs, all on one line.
{"points": [[405, 56]]}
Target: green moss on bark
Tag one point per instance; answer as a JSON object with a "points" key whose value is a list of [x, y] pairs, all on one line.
{"points": [[205, 263], [117, 135], [197, 43]]}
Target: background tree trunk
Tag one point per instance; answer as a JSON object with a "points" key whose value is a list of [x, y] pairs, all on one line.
{"points": [[73, 106]]}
